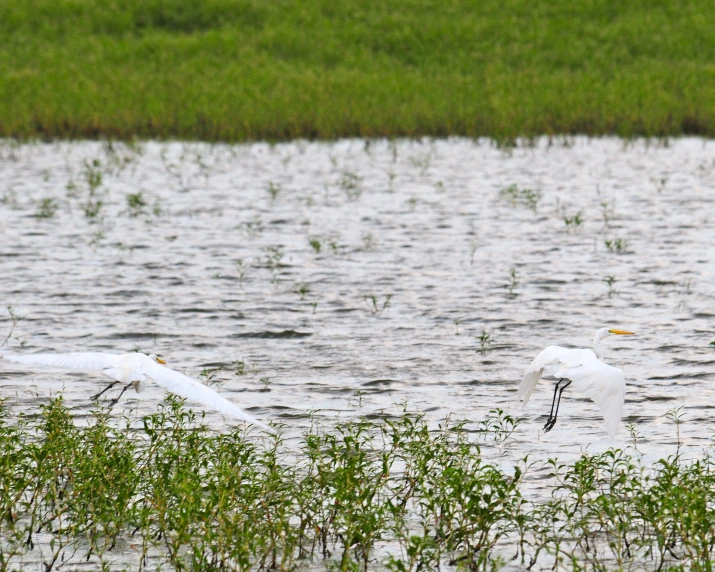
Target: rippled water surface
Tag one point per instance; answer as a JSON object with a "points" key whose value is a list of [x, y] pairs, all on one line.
{"points": [[351, 278]]}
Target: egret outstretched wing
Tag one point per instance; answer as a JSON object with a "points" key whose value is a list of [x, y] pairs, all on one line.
{"points": [[136, 367], [606, 386], [549, 359], [190, 388], [91, 361], [602, 383]]}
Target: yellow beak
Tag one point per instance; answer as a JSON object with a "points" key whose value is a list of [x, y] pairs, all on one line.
{"points": [[161, 361], [621, 332]]}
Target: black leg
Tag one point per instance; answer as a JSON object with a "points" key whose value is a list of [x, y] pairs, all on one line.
{"points": [[553, 402], [552, 420], [110, 386], [113, 402]]}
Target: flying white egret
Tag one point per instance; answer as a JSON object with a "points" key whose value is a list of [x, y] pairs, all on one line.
{"points": [[583, 369], [135, 368]]}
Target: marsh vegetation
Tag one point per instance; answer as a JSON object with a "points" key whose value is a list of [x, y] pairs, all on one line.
{"points": [[389, 493]]}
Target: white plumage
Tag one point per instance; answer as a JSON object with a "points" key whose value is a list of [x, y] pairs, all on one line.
{"points": [[135, 368], [604, 384]]}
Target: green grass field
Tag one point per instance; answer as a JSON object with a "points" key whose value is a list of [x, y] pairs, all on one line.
{"points": [[258, 69]]}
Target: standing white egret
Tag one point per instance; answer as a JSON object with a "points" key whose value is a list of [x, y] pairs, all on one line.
{"points": [[583, 369], [135, 368]]}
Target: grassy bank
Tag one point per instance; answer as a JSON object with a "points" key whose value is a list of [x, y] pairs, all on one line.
{"points": [[247, 69], [180, 496]]}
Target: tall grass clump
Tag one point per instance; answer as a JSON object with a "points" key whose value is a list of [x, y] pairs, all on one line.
{"points": [[390, 494]]}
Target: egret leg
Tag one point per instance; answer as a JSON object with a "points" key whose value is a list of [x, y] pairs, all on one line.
{"points": [[113, 402], [553, 401], [110, 386], [552, 420]]}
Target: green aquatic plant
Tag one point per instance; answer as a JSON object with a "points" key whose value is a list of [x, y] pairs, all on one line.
{"points": [[374, 304], [238, 367], [610, 280], [241, 269], [521, 197], [121, 154], [349, 182], [47, 208], [617, 245], [357, 396], [136, 203], [498, 424], [302, 290], [473, 247], [315, 244], [273, 257], [573, 222], [9, 197], [485, 341], [273, 190], [608, 212], [513, 283]]}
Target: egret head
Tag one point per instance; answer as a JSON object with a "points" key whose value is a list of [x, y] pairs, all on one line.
{"points": [[605, 332], [157, 359]]}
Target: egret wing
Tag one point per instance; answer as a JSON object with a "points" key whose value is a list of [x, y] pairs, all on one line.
{"points": [[187, 387], [606, 386], [549, 358], [91, 361]]}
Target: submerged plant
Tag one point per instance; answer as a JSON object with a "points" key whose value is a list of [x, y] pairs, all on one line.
{"points": [[608, 211], [136, 203], [374, 305], [47, 208], [514, 282], [273, 257], [302, 290], [93, 176], [273, 190], [617, 246], [485, 341], [349, 182], [573, 222], [315, 244], [610, 280], [241, 269], [518, 197]]}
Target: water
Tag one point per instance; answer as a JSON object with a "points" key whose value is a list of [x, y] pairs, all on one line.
{"points": [[420, 255]]}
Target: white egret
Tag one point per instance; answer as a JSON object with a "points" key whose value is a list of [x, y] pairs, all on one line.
{"points": [[135, 368], [583, 369]]}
